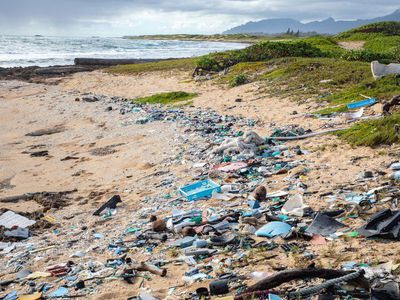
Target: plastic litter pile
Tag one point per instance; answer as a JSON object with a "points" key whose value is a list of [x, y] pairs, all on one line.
{"points": [[225, 232]]}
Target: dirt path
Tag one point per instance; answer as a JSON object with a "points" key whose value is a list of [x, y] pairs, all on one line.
{"points": [[352, 45]]}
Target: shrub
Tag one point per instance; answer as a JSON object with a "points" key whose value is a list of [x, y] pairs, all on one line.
{"points": [[386, 28], [373, 132], [363, 55], [239, 79], [396, 54], [258, 52], [207, 63]]}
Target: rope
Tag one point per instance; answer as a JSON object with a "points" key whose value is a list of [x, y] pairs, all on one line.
{"points": [[300, 137], [315, 289]]}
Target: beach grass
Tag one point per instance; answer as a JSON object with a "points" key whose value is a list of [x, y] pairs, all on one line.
{"points": [[332, 81], [382, 89], [184, 64], [168, 98], [372, 133]]}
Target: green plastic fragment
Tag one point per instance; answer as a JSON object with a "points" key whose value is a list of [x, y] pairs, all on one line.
{"points": [[197, 219], [227, 158], [132, 230], [353, 234]]}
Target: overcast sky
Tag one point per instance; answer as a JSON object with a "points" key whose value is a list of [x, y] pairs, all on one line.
{"points": [[123, 17]]}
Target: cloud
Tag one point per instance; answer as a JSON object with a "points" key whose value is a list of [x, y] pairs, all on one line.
{"points": [[118, 17]]}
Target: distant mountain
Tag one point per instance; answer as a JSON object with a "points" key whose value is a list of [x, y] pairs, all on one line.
{"points": [[328, 26]]}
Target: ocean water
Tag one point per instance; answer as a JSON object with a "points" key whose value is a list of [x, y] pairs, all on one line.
{"points": [[48, 51]]}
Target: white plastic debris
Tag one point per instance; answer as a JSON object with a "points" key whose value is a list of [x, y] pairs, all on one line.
{"points": [[380, 70], [294, 206], [10, 219], [354, 115]]}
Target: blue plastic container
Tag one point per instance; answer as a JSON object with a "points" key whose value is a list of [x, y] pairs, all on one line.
{"points": [[199, 190], [363, 103]]}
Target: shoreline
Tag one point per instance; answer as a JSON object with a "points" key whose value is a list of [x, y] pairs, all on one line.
{"points": [[80, 65]]}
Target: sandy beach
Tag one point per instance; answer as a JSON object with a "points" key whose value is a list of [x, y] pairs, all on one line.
{"points": [[99, 152]]}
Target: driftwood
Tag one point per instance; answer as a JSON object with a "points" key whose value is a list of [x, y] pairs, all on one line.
{"points": [[111, 62], [149, 268], [296, 274]]}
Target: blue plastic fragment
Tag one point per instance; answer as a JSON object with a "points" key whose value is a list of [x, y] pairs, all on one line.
{"points": [[354, 198], [60, 292], [72, 278], [200, 243], [273, 229], [349, 265], [254, 204], [253, 213], [283, 217], [274, 297], [11, 296], [362, 103], [395, 166], [185, 242], [98, 236], [199, 190]]}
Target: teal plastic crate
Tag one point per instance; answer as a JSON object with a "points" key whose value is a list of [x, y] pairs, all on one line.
{"points": [[199, 190]]}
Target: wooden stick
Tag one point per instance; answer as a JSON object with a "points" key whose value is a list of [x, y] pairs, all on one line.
{"points": [[149, 268], [296, 274]]}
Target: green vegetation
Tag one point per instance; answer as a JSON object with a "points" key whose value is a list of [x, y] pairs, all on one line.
{"points": [[327, 44], [184, 64], [258, 52], [177, 98], [328, 80], [385, 28], [382, 89], [239, 79], [251, 70], [382, 42], [302, 78], [373, 132], [382, 38]]}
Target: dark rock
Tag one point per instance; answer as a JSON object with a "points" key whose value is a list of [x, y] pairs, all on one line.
{"points": [[159, 225], [90, 99], [260, 193], [188, 231], [40, 153]]}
